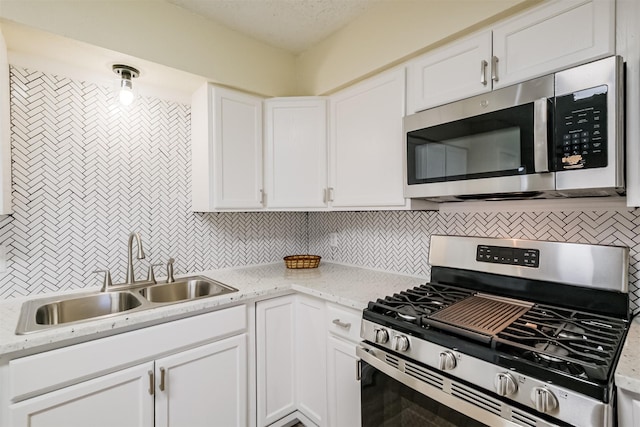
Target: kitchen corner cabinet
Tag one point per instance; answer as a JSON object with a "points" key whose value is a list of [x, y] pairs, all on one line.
{"points": [[226, 149], [185, 372], [307, 362], [290, 359], [365, 144], [553, 36], [296, 153]]}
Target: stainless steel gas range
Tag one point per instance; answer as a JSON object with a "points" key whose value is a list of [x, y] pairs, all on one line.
{"points": [[508, 332]]}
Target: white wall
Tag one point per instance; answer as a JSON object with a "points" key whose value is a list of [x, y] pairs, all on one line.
{"points": [[158, 31]]}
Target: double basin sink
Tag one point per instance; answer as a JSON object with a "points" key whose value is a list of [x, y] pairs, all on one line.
{"points": [[45, 313]]}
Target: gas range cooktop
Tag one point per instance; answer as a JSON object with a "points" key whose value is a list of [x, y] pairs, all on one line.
{"points": [[571, 347], [509, 317]]}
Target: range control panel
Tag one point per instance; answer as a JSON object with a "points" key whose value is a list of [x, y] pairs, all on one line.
{"points": [[510, 256]]}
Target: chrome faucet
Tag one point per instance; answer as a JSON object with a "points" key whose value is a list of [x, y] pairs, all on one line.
{"points": [[130, 278]]}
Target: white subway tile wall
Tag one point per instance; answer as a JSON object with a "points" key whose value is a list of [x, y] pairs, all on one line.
{"points": [[87, 171], [399, 241]]}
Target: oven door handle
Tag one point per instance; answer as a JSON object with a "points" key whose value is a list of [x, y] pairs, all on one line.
{"points": [[368, 355], [540, 135]]}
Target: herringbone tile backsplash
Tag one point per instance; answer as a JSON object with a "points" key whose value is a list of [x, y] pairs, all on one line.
{"points": [[399, 241], [87, 171]]}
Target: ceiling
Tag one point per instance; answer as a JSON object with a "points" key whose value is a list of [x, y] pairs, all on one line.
{"points": [[293, 25]]}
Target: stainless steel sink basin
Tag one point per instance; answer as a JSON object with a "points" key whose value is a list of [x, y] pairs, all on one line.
{"points": [[88, 307], [45, 313], [184, 290]]}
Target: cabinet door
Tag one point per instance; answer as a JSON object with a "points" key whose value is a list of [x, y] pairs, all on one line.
{"points": [[123, 398], [343, 387], [296, 152], [226, 149], [557, 35], [456, 71], [366, 143], [204, 386], [311, 359], [275, 355]]}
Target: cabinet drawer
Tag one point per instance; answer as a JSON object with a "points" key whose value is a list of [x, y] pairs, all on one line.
{"points": [[40, 373], [344, 322]]}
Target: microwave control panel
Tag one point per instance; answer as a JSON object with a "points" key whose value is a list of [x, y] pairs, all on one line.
{"points": [[509, 256], [581, 129]]}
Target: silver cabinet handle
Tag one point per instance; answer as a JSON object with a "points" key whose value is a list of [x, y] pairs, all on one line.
{"points": [[162, 372], [358, 369], [341, 324], [483, 72], [325, 198], [152, 385], [263, 197], [330, 192], [494, 68]]}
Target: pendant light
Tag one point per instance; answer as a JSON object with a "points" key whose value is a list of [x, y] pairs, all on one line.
{"points": [[125, 86]]}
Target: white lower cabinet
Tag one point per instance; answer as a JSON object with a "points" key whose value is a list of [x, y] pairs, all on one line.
{"points": [[342, 385], [190, 372], [275, 358], [306, 362], [119, 399], [203, 386]]}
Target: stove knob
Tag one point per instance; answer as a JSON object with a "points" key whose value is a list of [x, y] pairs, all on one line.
{"points": [[400, 343], [447, 361], [382, 336], [543, 399], [505, 384]]}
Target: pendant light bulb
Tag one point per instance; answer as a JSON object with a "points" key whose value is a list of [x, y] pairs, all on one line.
{"points": [[126, 94]]}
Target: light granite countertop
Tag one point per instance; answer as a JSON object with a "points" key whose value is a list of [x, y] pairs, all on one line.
{"points": [[627, 375], [348, 286]]}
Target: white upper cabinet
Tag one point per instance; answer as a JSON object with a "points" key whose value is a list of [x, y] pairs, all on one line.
{"points": [[554, 36], [296, 152], [365, 147], [226, 148], [456, 71]]}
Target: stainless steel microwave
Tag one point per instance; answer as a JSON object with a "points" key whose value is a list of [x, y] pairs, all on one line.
{"points": [[561, 135]]}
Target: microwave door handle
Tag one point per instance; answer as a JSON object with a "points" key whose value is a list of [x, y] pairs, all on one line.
{"points": [[540, 140]]}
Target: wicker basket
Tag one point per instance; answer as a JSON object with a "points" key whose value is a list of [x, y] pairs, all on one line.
{"points": [[302, 261]]}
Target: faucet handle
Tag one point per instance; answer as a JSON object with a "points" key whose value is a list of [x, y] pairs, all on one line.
{"points": [[106, 283], [170, 278], [150, 276]]}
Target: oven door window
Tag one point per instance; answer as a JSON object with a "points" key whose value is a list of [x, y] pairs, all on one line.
{"points": [[389, 403], [495, 144]]}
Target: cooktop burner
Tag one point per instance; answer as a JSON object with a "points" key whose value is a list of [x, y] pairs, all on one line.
{"points": [[569, 341]]}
